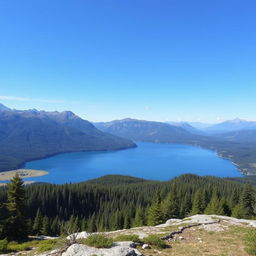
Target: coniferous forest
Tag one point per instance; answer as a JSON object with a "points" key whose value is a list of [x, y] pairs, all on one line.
{"points": [[117, 202]]}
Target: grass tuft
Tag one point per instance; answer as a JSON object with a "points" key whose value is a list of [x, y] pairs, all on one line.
{"points": [[98, 241], [155, 241]]}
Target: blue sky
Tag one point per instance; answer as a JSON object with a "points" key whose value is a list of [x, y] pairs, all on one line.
{"points": [[155, 60]]}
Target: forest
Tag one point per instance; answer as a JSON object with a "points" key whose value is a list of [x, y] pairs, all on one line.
{"points": [[116, 202]]}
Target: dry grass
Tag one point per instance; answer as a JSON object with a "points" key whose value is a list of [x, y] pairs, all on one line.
{"points": [[200, 242]]}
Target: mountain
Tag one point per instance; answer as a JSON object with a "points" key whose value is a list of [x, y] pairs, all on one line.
{"points": [[231, 125], [140, 130], [3, 108], [199, 125], [186, 126], [32, 134], [241, 136]]}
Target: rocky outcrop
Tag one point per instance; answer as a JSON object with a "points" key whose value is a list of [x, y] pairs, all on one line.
{"points": [[118, 249], [213, 223]]}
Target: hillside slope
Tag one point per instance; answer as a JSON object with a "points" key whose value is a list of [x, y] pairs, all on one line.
{"points": [[32, 134], [199, 235], [241, 136], [149, 131], [238, 149], [230, 126]]}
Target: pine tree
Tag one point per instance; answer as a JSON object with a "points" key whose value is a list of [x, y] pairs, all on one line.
{"points": [[17, 226], [155, 215], [186, 206], [215, 206], [127, 221], [239, 211], [84, 224], [92, 224], [37, 226], [170, 206], [117, 221], [139, 219], [248, 200], [3, 217], [198, 206], [245, 207], [55, 227], [46, 226]]}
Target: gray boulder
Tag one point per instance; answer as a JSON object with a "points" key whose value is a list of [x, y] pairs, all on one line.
{"points": [[118, 249]]}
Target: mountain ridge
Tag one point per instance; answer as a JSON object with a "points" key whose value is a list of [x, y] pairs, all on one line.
{"points": [[39, 134], [148, 131]]}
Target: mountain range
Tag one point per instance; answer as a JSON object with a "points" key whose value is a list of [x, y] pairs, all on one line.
{"points": [[149, 131], [32, 134], [239, 146], [230, 126], [216, 129]]}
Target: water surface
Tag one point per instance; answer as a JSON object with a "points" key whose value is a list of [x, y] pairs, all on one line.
{"points": [[149, 160]]}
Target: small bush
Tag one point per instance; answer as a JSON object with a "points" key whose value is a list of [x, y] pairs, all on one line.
{"points": [[3, 246], [98, 241], [133, 238], [47, 245], [154, 240], [251, 242], [16, 247]]}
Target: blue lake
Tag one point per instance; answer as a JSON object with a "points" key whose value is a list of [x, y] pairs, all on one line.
{"points": [[149, 160]]}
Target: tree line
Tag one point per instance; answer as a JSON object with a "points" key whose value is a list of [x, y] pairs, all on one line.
{"points": [[117, 202]]}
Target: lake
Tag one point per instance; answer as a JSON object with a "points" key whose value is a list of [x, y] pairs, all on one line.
{"points": [[149, 160]]}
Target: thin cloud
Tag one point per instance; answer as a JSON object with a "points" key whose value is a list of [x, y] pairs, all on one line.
{"points": [[14, 98]]}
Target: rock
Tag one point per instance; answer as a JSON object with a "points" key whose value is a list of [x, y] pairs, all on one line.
{"points": [[118, 249], [145, 246], [199, 239], [80, 235], [181, 238]]}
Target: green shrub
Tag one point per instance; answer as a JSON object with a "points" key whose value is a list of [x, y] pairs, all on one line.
{"points": [[3, 246], [251, 242], [47, 245], [98, 241], [133, 238], [16, 247], [154, 240]]}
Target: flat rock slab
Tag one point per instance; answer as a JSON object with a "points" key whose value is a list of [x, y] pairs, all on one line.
{"points": [[118, 249]]}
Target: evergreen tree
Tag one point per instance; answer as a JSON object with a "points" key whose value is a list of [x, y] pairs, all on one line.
{"points": [[37, 226], [186, 206], [55, 226], [84, 224], [245, 207], [198, 206], [127, 221], [215, 206], [117, 221], [170, 206], [239, 211], [155, 215], [92, 224], [139, 219], [3, 217], [17, 226], [46, 226], [247, 200]]}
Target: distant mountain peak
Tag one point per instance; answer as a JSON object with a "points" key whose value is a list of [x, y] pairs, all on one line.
{"points": [[236, 120], [3, 107]]}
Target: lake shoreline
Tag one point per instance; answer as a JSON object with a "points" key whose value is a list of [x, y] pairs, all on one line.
{"points": [[141, 162], [23, 164], [23, 173]]}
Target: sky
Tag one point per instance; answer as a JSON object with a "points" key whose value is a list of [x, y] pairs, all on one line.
{"points": [[111, 59]]}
